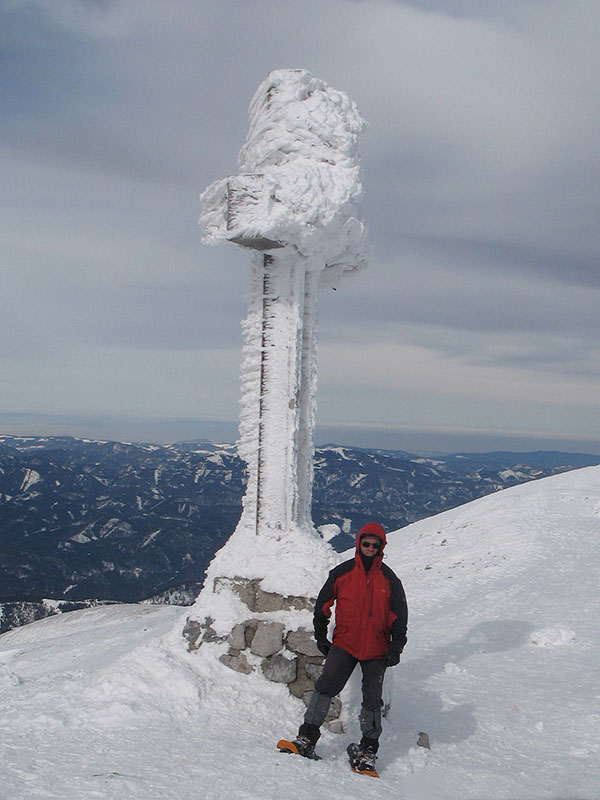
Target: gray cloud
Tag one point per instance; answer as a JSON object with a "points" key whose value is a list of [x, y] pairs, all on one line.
{"points": [[481, 173]]}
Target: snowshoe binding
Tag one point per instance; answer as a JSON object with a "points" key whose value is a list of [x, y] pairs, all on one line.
{"points": [[301, 746], [362, 760]]}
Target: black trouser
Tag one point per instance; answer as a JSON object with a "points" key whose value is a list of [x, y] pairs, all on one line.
{"points": [[339, 665]]}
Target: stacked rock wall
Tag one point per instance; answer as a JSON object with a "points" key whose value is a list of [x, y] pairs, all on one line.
{"points": [[259, 644]]}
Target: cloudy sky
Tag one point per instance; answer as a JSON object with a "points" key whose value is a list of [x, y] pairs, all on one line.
{"points": [[476, 325]]}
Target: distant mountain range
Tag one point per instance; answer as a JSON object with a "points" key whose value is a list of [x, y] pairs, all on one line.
{"points": [[83, 519]]}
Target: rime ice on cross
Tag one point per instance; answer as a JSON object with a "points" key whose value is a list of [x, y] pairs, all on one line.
{"points": [[294, 204]]}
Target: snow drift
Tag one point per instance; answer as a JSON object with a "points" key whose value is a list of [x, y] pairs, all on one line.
{"points": [[500, 670]]}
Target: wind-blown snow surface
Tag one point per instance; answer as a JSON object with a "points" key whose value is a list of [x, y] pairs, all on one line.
{"points": [[500, 670]]}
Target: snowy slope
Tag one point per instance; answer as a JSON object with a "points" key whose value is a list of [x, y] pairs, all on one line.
{"points": [[500, 669]]}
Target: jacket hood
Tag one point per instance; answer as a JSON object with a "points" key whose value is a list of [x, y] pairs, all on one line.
{"points": [[371, 529]]}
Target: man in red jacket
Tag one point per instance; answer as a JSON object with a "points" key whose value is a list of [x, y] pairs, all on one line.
{"points": [[370, 629]]}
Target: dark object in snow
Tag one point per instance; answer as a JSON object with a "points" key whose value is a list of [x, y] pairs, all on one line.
{"points": [[301, 746], [362, 760], [423, 740]]}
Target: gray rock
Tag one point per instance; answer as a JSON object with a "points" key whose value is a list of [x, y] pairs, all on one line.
{"points": [[295, 603], [302, 641], [202, 631], [313, 670], [250, 626], [237, 637], [250, 593], [191, 632], [268, 638], [335, 726], [210, 635], [302, 685], [245, 588], [271, 601], [237, 663], [280, 669], [268, 601], [423, 740]]}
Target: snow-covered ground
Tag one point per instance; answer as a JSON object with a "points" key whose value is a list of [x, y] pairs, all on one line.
{"points": [[501, 670]]}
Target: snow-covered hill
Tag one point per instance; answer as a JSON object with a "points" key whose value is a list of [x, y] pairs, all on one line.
{"points": [[500, 670]]}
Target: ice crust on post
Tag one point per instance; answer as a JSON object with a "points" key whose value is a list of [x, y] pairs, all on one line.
{"points": [[300, 166], [295, 204]]}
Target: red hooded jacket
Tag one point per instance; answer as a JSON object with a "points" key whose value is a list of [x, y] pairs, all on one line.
{"points": [[371, 614]]}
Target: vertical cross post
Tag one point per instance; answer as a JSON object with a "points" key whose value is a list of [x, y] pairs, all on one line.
{"points": [[293, 204]]}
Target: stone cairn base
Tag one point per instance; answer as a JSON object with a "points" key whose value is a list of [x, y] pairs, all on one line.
{"points": [[281, 655]]}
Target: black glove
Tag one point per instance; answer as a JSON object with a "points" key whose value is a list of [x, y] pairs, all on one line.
{"points": [[324, 645], [392, 658]]}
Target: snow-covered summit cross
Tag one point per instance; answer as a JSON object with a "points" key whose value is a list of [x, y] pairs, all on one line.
{"points": [[294, 203]]}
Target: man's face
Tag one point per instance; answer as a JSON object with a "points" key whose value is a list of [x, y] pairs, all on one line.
{"points": [[370, 545]]}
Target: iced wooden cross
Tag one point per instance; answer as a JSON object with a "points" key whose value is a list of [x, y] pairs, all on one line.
{"points": [[294, 204]]}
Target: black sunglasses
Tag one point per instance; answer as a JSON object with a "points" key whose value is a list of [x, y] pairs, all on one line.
{"points": [[374, 545]]}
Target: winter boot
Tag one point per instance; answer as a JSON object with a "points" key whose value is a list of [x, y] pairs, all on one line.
{"points": [[362, 759], [301, 746]]}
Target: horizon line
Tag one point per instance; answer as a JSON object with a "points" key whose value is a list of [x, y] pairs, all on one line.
{"points": [[423, 440]]}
